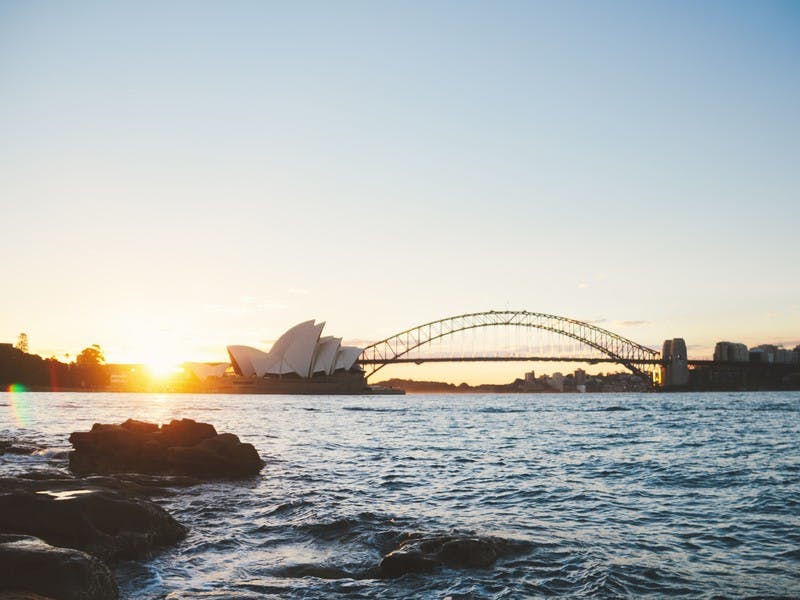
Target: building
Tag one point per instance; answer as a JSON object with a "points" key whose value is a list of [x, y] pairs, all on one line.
{"points": [[555, 381], [300, 352], [580, 380], [730, 352], [770, 353], [301, 361]]}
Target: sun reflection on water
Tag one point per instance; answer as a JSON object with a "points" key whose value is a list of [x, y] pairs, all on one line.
{"points": [[159, 408]]}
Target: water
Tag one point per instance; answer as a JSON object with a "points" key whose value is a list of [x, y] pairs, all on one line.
{"points": [[694, 495]]}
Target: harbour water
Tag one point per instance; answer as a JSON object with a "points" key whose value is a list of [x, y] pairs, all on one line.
{"points": [[692, 495]]}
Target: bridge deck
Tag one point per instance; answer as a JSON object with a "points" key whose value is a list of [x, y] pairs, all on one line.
{"points": [[375, 361]]}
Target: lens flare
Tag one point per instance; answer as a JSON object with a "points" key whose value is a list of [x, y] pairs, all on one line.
{"points": [[20, 408]]}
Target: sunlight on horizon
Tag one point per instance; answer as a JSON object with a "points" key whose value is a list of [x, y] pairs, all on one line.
{"points": [[252, 181]]}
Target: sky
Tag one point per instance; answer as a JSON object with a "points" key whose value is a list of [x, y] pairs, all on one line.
{"points": [[180, 176]]}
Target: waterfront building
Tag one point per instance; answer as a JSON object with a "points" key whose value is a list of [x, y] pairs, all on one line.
{"points": [[555, 381], [730, 352], [769, 353], [580, 380], [299, 352]]}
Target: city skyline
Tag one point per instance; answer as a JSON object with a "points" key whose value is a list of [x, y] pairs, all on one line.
{"points": [[175, 179]]}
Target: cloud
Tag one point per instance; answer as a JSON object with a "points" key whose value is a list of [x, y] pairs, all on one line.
{"points": [[632, 323], [246, 306], [298, 291], [594, 321]]}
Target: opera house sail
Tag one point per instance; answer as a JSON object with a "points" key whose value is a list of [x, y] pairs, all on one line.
{"points": [[301, 361]]}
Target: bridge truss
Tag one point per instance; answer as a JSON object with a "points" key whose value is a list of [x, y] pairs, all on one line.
{"points": [[403, 347]]}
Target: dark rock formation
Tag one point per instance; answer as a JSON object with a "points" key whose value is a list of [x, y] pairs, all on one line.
{"points": [[131, 485], [12, 447], [179, 448], [96, 520], [31, 569], [422, 554]]}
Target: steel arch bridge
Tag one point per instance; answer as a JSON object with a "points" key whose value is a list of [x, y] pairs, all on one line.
{"points": [[615, 349]]}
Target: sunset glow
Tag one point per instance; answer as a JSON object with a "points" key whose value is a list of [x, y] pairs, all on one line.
{"points": [[591, 163], [163, 368]]}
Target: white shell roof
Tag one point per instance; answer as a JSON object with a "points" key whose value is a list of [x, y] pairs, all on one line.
{"points": [[300, 351], [347, 357], [241, 359], [325, 358], [204, 370]]}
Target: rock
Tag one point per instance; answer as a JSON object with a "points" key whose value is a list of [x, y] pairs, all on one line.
{"points": [[468, 553], [186, 432], [128, 484], [102, 522], [400, 562], [11, 447], [423, 554], [30, 569], [182, 447]]}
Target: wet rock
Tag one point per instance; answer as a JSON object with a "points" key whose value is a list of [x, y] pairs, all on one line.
{"points": [[102, 522], [12, 447], [48, 474], [400, 562], [182, 447], [128, 484], [423, 554], [30, 569]]}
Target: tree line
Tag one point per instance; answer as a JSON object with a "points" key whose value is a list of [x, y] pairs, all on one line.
{"points": [[18, 366]]}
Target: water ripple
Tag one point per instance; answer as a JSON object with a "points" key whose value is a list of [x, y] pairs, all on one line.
{"points": [[689, 495]]}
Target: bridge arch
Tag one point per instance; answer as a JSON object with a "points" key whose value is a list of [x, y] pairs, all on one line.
{"points": [[620, 350]]}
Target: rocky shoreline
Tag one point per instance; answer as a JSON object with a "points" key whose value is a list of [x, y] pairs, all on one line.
{"points": [[59, 532], [62, 533]]}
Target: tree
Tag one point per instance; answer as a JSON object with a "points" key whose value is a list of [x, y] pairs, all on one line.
{"points": [[22, 342], [91, 367], [91, 357]]}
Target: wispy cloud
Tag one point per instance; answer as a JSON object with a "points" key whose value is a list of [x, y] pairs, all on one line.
{"points": [[247, 305], [632, 323], [299, 291], [594, 321]]}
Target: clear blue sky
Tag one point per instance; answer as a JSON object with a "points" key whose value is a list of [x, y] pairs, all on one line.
{"points": [[192, 174]]}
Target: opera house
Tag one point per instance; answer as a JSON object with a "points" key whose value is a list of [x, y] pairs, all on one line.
{"points": [[300, 352], [301, 361]]}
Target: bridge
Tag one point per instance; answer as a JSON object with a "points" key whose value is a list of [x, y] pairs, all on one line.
{"points": [[588, 343]]}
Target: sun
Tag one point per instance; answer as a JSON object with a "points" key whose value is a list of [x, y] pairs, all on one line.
{"points": [[162, 367]]}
